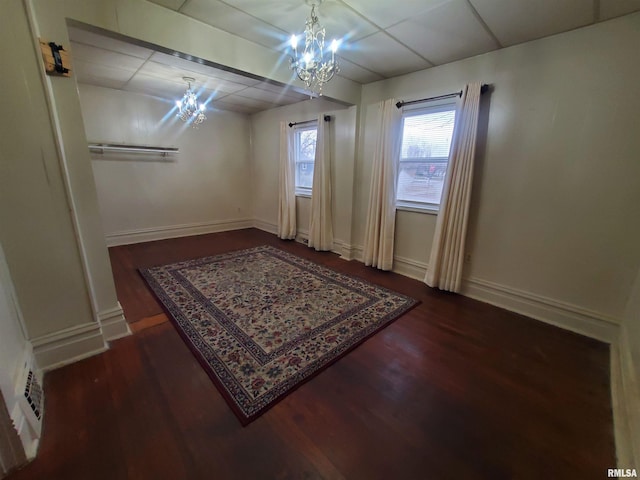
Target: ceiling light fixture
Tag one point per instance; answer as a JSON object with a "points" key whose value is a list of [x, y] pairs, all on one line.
{"points": [[189, 110], [314, 65]]}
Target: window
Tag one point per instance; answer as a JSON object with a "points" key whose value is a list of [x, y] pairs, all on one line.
{"points": [[426, 139], [305, 153]]}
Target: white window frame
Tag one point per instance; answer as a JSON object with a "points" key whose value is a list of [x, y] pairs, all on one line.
{"points": [[297, 129], [440, 106]]}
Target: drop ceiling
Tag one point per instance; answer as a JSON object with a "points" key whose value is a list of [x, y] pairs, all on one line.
{"points": [[380, 39]]}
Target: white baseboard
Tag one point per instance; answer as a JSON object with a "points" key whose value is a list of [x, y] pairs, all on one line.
{"points": [[174, 231], [113, 324], [357, 253], [402, 265], [339, 246], [625, 399], [564, 315], [409, 268], [67, 346], [265, 226], [343, 249]]}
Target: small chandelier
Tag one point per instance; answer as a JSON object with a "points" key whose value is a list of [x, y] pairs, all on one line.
{"points": [[314, 65], [189, 111]]}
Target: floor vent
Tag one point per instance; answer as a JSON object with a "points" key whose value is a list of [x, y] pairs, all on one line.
{"points": [[33, 394]]}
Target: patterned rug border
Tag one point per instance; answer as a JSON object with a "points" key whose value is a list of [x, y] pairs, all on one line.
{"points": [[245, 419]]}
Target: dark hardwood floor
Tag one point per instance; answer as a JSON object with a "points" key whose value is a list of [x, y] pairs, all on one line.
{"points": [[453, 389]]}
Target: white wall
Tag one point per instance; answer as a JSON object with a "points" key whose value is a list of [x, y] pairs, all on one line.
{"points": [[206, 184], [556, 196], [629, 348], [13, 345], [36, 229], [265, 130]]}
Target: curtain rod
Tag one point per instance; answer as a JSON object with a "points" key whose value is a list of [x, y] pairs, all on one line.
{"points": [[327, 118], [483, 89]]}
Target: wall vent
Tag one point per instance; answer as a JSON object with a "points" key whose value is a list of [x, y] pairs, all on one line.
{"points": [[33, 394]]}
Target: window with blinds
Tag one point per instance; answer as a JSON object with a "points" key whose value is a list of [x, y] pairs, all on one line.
{"points": [[305, 153], [426, 140]]}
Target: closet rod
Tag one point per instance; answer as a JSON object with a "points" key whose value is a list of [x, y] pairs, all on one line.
{"points": [[327, 118], [483, 89], [102, 147]]}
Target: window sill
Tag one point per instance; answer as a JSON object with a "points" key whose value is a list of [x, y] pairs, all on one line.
{"points": [[303, 194], [424, 210]]}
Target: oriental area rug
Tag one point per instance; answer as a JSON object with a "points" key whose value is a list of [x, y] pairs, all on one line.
{"points": [[261, 321]]}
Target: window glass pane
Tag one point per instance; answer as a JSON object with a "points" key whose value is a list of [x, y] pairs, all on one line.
{"points": [[305, 145], [304, 174], [426, 140], [421, 181], [427, 135]]}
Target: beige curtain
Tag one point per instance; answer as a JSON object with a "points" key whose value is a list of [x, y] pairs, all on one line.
{"points": [[320, 224], [287, 185], [447, 252], [381, 216]]}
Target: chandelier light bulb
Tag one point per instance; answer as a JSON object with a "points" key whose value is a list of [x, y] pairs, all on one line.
{"points": [[313, 64], [189, 111]]}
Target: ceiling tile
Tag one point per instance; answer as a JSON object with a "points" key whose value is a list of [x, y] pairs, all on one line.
{"points": [[385, 14], [77, 35], [172, 4], [232, 20], [288, 90], [269, 96], [517, 21], [167, 88], [232, 107], [93, 74], [248, 102], [616, 8], [340, 21], [190, 67], [356, 73], [446, 33], [201, 80], [105, 58], [383, 55]]}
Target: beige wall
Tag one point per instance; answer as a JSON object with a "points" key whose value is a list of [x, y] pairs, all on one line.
{"points": [[13, 344], [630, 361], [207, 182], [556, 197], [265, 131], [36, 229]]}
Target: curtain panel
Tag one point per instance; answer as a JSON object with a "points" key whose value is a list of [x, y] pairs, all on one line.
{"points": [[381, 216], [287, 185], [320, 223], [447, 252]]}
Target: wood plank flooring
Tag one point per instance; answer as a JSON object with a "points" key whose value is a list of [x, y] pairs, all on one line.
{"points": [[454, 389]]}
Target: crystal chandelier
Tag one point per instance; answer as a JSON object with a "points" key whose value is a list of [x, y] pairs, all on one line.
{"points": [[188, 109], [315, 66]]}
